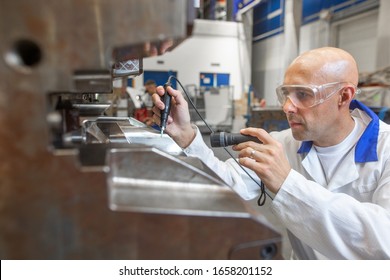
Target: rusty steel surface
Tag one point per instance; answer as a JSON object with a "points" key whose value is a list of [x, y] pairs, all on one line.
{"points": [[49, 209], [85, 35]]}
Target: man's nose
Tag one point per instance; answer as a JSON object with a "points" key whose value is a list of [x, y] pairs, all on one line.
{"points": [[289, 107]]}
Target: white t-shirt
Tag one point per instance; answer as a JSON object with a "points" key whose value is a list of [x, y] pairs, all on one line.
{"points": [[331, 157]]}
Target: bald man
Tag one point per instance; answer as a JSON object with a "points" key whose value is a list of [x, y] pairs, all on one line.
{"points": [[329, 172]]}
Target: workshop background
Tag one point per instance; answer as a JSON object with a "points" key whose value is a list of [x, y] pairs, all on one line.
{"points": [[85, 175]]}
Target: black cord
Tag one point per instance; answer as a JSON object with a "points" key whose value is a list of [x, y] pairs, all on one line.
{"points": [[263, 192]]}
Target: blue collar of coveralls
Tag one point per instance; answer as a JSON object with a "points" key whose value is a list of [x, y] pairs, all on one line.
{"points": [[365, 150]]}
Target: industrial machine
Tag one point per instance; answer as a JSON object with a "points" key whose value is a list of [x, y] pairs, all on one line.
{"points": [[77, 182]]}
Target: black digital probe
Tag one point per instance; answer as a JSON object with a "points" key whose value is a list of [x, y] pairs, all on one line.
{"points": [[223, 139], [166, 98]]}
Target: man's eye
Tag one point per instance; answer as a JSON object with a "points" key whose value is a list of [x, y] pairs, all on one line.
{"points": [[301, 95]]}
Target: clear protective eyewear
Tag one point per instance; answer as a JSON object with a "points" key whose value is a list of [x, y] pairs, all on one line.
{"points": [[306, 96]]}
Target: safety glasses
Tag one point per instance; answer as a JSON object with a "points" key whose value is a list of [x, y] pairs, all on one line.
{"points": [[306, 96]]}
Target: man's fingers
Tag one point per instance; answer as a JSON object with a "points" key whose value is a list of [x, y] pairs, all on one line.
{"points": [[259, 133], [157, 119], [156, 111], [157, 102], [177, 95], [160, 90], [247, 153]]}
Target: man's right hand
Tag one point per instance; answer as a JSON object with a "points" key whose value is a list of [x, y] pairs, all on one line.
{"points": [[179, 122]]}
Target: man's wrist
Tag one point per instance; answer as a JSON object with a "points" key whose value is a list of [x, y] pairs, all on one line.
{"points": [[187, 136]]}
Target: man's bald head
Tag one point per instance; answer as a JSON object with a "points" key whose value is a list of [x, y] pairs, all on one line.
{"points": [[323, 65]]}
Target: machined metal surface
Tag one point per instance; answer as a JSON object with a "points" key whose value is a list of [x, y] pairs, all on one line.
{"points": [[127, 130], [185, 186]]}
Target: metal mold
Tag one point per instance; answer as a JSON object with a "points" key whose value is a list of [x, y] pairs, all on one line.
{"points": [[149, 180]]}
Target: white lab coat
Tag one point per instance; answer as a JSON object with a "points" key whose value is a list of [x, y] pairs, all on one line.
{"points": [[347, 218]]}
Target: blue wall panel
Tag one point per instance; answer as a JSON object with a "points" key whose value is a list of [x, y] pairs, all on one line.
{"points": [[214, 79], [268, 19], [160, 77], [312, 8], [265, 26]]}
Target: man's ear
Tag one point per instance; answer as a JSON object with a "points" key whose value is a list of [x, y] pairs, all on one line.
{"points": [[346, 95]]}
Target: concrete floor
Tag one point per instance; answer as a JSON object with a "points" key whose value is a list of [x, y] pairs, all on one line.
{"points": [[263, 211]]}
